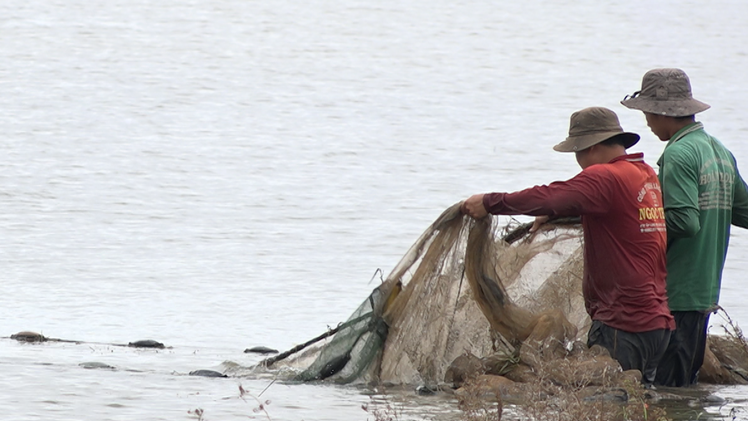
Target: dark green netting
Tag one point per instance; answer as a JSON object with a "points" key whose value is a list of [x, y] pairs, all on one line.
{"points": [[354, 347]]}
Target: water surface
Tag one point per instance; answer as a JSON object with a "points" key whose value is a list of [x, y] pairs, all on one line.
{"points": [[224, 174]]}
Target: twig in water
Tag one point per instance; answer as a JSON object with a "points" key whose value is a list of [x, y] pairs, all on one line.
{"points": [[261, 406]]}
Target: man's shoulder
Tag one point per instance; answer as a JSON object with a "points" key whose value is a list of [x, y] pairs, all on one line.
{"points": [[696, 140], [689, 149], [619, 168], [697, 148], [597, 170], [689, 142]]}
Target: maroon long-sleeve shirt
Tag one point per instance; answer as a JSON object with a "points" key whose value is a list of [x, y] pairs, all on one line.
{"points": [[624, 238]]}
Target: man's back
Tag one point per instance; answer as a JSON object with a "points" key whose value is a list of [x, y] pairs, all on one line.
{"points": [[625, 247], [624, 233], [700, 181]]}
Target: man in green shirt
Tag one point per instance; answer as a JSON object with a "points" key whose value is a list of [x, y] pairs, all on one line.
{"points": [[703, 195]]}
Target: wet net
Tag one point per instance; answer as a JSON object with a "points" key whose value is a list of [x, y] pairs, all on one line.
{"points": [[475, 288], [464, 286]]}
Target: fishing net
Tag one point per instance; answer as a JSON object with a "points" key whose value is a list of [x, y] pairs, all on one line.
{"points": [[474, 288], [427, 312]]}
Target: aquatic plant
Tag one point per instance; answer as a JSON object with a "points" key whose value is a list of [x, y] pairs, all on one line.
{"points": [[261, 405], [199, 413]]}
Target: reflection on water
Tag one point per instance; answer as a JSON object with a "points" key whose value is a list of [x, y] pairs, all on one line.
{"points": [[705, 403], [226, 174]]}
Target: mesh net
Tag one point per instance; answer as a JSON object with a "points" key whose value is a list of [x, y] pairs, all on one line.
{"points": [[477, 288], [464, 286]]}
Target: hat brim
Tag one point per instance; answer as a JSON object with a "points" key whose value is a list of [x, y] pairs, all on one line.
{"points": [[677, 108], [580, 143]]}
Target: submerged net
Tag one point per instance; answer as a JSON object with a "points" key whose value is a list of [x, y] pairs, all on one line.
{"points": [[464, 286]]}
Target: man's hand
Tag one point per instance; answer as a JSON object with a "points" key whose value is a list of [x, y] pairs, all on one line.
{"points": [[473, 207], [539, 220]]}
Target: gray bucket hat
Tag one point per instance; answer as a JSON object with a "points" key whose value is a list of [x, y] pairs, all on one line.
{"points": [[591, 126], [666, 92]]}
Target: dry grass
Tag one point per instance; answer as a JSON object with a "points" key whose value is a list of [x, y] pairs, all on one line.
{"points": [[546, 399], [567, 391], [627, 403], [388, 412], [476, 407], [199, 413], [734, 333], [543, 403]]}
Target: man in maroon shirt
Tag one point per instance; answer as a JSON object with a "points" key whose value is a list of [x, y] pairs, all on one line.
{"points": [[619, 199]]}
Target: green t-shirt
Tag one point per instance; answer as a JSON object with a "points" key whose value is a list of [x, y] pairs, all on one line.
{"points": [[703, 194]]}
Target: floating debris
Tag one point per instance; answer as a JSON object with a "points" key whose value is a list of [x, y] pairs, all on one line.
{"points": [[207, 373], [95, 365], [425, 390], [261, 350], [619, 395], [27, 336], [146, 343], [713, 400]]}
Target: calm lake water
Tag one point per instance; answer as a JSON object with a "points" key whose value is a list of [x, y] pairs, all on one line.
{"points": [[223, 174]]}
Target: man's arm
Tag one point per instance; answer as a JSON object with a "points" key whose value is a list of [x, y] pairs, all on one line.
{"points": [[740, 200], [680, 191], [586, 193], [682, 222]]}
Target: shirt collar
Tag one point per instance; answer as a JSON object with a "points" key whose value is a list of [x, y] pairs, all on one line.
{"points": [[680, 134], [633, 157]]}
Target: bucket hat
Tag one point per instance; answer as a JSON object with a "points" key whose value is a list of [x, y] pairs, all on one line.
{"points": [[591, 126], [666, 92]]}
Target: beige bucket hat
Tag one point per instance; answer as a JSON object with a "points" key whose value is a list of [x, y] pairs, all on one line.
{"points": [[591, 126], [665, 92]]}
